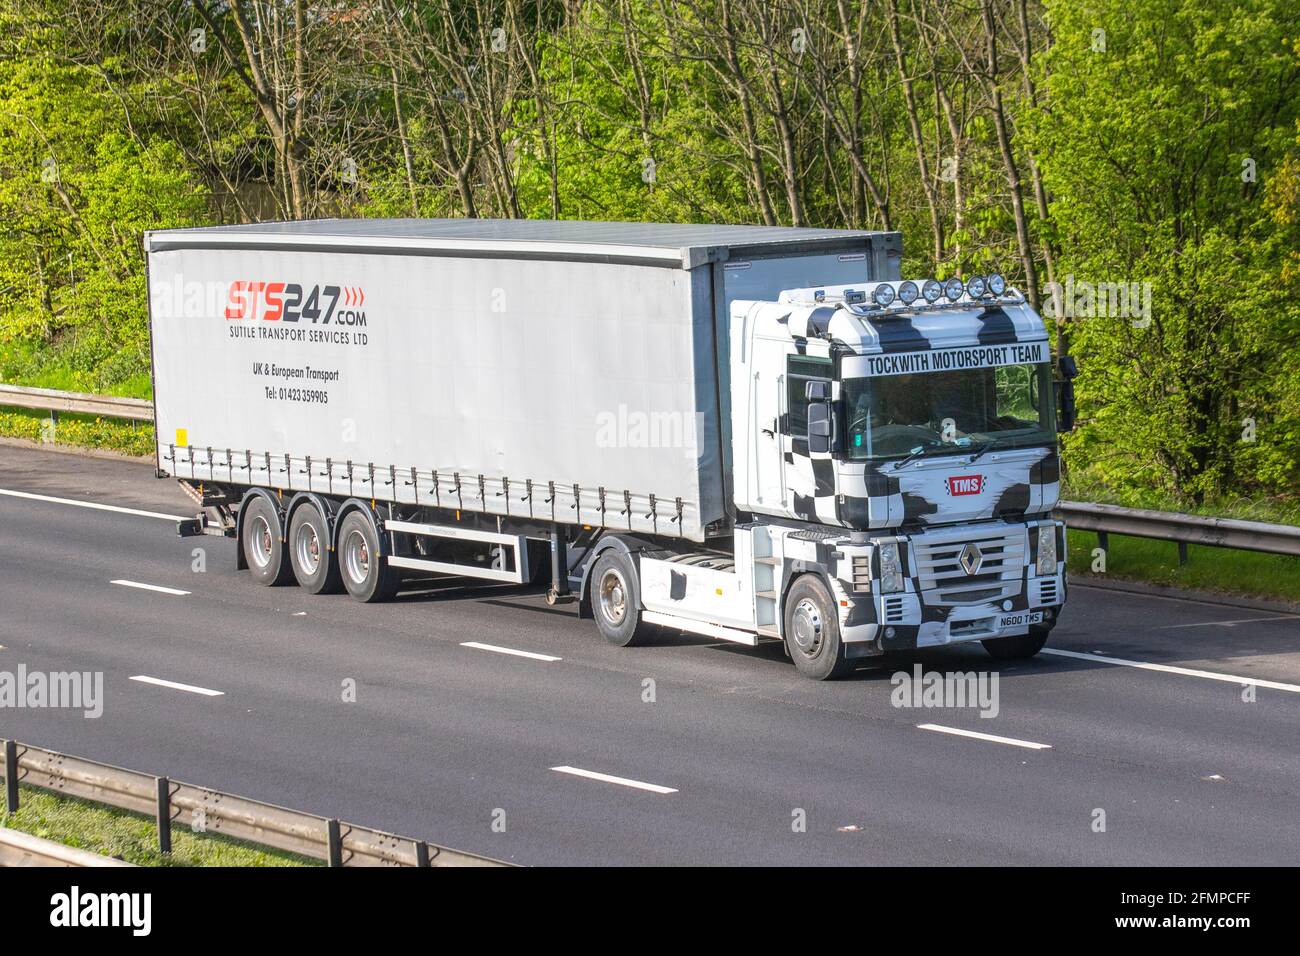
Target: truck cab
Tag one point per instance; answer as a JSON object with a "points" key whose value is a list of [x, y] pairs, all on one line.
{"points": [[898, 440]]}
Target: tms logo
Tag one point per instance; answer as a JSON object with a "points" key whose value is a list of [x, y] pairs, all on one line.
{"points": [[965, 484], [284, 302]]}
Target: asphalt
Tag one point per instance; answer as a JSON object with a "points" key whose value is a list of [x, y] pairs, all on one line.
{"points": [[444, 740]]}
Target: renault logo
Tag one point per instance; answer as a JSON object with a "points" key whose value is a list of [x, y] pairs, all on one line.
{"points": [[971, 558]]}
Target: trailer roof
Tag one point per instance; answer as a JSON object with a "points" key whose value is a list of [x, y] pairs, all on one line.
{"points": [[686, 243]]}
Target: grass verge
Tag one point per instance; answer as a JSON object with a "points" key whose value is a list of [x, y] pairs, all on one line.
{"points": [[81, 430], [132, 837], [1275, 576]]}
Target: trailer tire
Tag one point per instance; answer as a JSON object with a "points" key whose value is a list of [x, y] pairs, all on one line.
{"points": [[812, 630], [363, 566], [1018, 648], [614, 602], [263, 549], [315, 564]]}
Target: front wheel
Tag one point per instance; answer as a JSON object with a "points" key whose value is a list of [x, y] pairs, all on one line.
{"points": [[812, 631], [1018, 648], [614, 602], [365, 570]]}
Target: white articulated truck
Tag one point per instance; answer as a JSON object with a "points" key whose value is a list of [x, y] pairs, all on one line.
{"points": [[744, 432]]}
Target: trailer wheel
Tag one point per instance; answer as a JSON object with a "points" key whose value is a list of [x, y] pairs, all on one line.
{"points": [[362, 565], [614, 601], [314, 565], [812, 631], [263, 549], [1018, 648]]}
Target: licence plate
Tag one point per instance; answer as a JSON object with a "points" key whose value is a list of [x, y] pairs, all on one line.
{"points": [[1019, 619]]}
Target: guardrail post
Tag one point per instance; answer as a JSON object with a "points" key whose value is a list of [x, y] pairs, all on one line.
{"points": [[1103, 541], [421, 853], [164, 815], [11, 776], [334, 840], [1182, 553]]}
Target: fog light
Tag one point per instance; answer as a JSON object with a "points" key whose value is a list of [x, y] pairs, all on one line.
{"points": [[1047, 614], [890, 632], [1006, 605]]}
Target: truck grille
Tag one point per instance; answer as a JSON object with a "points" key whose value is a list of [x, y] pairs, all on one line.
{"points": [[944, 581]]}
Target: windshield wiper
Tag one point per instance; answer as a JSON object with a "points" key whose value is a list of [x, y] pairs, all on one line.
{"points": [[983, 450], [911, 456]]}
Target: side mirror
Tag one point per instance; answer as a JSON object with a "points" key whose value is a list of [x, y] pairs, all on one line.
{"points": [[817, 391], [1065, 411], [819, 424]]}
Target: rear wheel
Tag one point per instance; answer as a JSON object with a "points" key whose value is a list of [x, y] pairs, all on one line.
{"points": [[263, 550], [1018, 648], [314, 565], [614, 602], [812, 631], [365, 571]]}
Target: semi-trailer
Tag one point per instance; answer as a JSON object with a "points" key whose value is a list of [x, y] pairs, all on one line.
{"points": [[751, 433]]}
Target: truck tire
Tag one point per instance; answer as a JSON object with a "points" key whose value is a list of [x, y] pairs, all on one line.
{"points": [[614, 601], [812, 631], [362, 564], [263, 550], [314, 565], [1018, 648]]}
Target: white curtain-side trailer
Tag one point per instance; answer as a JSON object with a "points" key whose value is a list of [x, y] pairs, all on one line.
{"points": [[630, 410]]}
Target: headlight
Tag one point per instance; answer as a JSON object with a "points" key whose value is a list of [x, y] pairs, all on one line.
{"points": [[883, 294], [907, 293], [997, 284], [891, 572], [975, 287], [953, 289], [931, 291], [1046, 549]]}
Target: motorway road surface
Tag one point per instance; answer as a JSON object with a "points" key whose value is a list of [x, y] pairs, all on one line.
{"points": [[445, 738]]}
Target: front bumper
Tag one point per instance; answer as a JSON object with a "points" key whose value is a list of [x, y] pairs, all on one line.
{"points": [[939, 606]]}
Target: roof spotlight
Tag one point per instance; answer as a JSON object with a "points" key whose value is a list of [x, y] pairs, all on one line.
{"points": [[931, 290], [907, 293], [997, 284], [953, 289], [883, 294], [975, 287]]}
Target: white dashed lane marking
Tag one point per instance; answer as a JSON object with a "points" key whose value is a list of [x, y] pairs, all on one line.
{"points": [[991, 738], [149, 587], [607, 778], [172, 685], [509, 650]]}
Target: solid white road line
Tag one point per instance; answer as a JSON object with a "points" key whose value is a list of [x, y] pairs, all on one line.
{"points": [[621, 781], [1170, 669], [957, 731], [190, 688], [95, 505], [1244, 620], [149, 587], [508, 650]]}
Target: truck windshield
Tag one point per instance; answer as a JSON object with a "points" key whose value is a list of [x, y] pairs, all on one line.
{"points": [[937, 413]]}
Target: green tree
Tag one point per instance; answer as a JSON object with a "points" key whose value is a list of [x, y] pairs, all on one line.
{"points": [[1164, 120]]}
